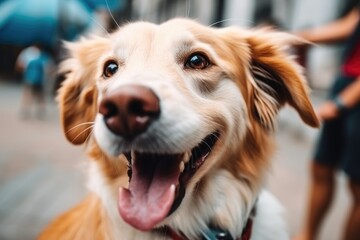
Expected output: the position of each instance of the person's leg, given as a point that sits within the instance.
(352, 229)
(26, 102)
(321, 191)
(351, 166)
(328, 153)
(39, 94)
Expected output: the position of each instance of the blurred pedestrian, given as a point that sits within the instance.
(339, 142)
(32, 62)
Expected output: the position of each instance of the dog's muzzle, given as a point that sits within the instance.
(157, 179)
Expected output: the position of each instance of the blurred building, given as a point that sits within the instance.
(289, 15)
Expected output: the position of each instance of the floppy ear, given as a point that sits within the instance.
(78, 93)
(278, 79)
(275, 77)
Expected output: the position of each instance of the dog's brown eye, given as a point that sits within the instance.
(110, 68)
(197, 61)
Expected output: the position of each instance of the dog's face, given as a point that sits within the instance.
(180, 101)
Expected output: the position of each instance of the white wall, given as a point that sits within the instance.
(323, 59)
(201, 10)
(239, 12)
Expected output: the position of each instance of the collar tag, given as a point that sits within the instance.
(216, 234)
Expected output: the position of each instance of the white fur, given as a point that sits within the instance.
(269, 221)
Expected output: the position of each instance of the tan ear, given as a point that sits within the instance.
(277, 78)
(77, 96)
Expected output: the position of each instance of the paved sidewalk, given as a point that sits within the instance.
(41, 174)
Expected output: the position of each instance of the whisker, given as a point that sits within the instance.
(207, 145)
(108, 8)
(88, 137)
(79, 125)
(230, 19)
(81, 133)
(101, 26)
(188, 6)
(215, 135)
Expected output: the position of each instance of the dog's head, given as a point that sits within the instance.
(180, 101)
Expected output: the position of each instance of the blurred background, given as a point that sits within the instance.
(41, 174)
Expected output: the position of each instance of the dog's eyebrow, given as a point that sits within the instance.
(184, 46)
(182, 49)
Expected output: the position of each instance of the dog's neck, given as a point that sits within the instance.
(217, 192)
(213, 233)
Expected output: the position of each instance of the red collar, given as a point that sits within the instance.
(246, 234)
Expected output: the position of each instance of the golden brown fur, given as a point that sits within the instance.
(85, 221)
(247, 57)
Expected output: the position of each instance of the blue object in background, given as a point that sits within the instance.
(26, 22)
(104, 4)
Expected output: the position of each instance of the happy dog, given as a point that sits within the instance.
(178, 122)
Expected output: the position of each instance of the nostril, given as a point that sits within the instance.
(108, 109)
(143, 108)
(112, 110)
(136, 107)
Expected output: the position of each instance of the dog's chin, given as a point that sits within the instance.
(157, 183)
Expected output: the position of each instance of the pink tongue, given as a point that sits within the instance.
(151, 190)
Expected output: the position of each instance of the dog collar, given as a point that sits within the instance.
(219, 234)
(212, 233)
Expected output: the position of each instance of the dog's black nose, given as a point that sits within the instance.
(129, 110)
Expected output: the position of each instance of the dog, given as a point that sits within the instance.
(178, 120)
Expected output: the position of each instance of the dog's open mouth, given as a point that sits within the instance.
(157, 183)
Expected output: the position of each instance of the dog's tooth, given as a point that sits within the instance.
(182, 166)
(186, 157)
